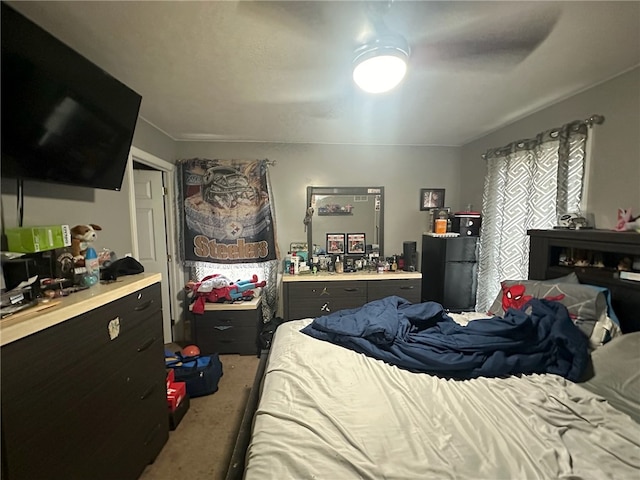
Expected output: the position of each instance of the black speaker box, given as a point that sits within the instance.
(19, 270)
(410, 256)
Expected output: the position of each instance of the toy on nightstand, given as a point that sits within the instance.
(244, 288)
(626, 221)
(215, 288)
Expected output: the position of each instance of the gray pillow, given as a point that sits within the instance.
(586, 305)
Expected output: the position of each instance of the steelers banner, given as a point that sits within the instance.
(226, 212)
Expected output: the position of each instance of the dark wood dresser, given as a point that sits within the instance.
(311, 296)
(553, 253)
(83, 394)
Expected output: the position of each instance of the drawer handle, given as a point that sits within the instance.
(352, 289)
(144, 306)
(147, 393)
(407, 287)
(146, 344)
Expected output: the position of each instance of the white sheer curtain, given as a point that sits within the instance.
(267, 271)
(528, 183)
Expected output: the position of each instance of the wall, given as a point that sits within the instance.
(152, 140)
(401, 170)
(50, 204)
(615, 177)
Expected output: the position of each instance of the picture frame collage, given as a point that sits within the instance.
(349, 243)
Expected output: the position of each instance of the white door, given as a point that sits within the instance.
(152, 235)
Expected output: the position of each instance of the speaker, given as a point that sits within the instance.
(410, 256)
(20, 269)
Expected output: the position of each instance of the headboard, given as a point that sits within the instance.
(599, 254)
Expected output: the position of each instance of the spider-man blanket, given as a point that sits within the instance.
(423, 338)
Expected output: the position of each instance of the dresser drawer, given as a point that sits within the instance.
(408, 289)
(226, 318)
(129, 426)
(227, 331)
(86, 393)
(317, 307)
(335, 289)
(34, 364)
(143, 429)
(78, 346)
(241, 340)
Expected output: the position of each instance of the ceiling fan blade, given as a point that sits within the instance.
(319, 18)
(301, 17)
(502, 41)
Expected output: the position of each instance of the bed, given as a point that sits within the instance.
(320, 410)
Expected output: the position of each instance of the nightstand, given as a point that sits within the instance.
(228, 327)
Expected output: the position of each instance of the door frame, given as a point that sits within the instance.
(176, 275)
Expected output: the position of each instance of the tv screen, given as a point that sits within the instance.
(64, 119)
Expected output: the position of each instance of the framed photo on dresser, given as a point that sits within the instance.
(335, 243)
(356, 243)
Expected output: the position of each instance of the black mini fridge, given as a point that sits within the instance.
(449, 271)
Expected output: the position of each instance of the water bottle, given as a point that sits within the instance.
(92, 265)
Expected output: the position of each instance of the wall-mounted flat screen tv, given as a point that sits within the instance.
(64, 119)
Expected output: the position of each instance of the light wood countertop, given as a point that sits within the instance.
(27, 322)
(341, 277)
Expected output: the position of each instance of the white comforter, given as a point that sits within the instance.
(329, 413)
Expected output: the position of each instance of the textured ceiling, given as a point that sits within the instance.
(281, 71)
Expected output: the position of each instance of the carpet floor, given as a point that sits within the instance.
(200, 447)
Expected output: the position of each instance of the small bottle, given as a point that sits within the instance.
(394, 264)
(441, 223)
(287, 263)
(92, 265)
(338, 266)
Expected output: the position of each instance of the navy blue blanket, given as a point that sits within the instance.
(421, 337)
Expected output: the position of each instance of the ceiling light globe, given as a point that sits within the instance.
(382, 65)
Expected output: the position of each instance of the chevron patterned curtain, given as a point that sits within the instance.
(528, 183)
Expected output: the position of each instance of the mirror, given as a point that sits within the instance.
(347, 211)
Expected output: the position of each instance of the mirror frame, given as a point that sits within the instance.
(311, 191)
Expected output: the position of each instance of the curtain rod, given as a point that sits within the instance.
(595, 119)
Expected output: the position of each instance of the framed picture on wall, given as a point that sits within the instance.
(431, 198)
(335, 243)
(356, 243)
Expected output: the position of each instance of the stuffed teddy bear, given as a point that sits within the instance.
(82, 236)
